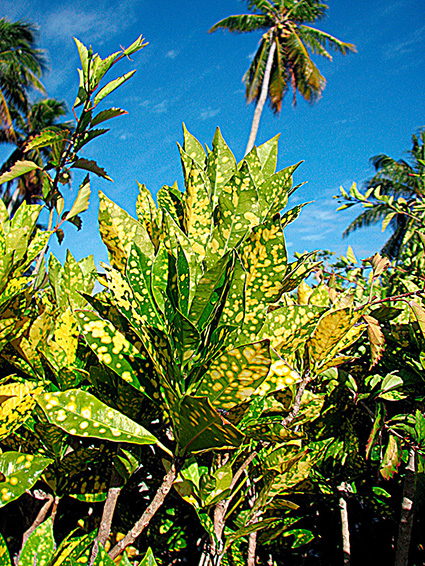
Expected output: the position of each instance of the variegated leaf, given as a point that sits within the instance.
(221, 165)
(198, 210)
(39, 547)
(81, 414)
(20, 472)
(199, 427)
(267, 152)
(16, 406)
(119, 230)
(274, 192)
(193, 148)
(233, 377)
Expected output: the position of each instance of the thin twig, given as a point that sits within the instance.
(41, 515)
(150, 511)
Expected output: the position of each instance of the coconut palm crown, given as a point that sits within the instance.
(283, 59)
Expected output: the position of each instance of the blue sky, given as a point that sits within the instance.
(374, 100)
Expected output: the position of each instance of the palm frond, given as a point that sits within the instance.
(262, 6)
(254, 75)
(306, 11)
(369, 217)
(326, 40)
(242, 23)
(278, 86)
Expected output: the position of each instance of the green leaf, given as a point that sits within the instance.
(267, 153)
(91, 166)
(199, 427)
(45, 138)
(84, 56)
(81, 414)
(107, 115)
(149, 559)
(74, 550)
(4, 553)
(102, 557)
(111, 86)
(392, 458)
(378, 423)
(40, 546)
(20, 472)
(135, 46)
(18, 169)
(221, 165)
(233, 377)
(16, 406)
(193, 148)
(420, 315)
(81, 203)
(275, 191)
(118, 231)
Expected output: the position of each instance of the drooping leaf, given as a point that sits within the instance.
(233, 377)
(376, 338)
(40, 546)
(199, 427)
(91, 166)
(81, 414)
(81, 203)
(392, 458)
(20, 472)
(18, 169)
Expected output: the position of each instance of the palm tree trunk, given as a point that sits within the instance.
(262, 99)
(407, 513)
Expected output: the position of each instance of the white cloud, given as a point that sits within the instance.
(172, 54)
(402, 48)
(209, 113)
(161, 107)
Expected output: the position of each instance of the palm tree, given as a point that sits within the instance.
(41, 114)
(402, 178)
(282, 60)
(21, 65)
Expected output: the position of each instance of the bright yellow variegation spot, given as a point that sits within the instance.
(233, 377)
(281, 375)
(66, 335)
(16, 405)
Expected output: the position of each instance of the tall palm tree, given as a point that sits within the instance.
(42, 114)
(283, 61)
(402, 178)
(21, 66)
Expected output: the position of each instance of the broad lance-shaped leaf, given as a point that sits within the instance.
(81, 203)
(238, 212)
(91, 166)
(139, 270)
(81, 414)
(20, 472)
(45, 138)
(392, 458)
(193, 148)
(107, 115)
(254, 166)
(275, 191)
(147, 214)
(149, 559)
(4, 553)
(118, 231)
(171, 200)
(111, 86)
(16, 406)
(221, 165)
(39, 547)
(289, 327)
(376, 339)
(199, 427)
(74, 550)
(198, 210)
(264, 258)
(330, 330)
(233, 377)
(18, 169)
(110, 346)
(267, 153)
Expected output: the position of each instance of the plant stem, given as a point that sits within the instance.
(297, 401)
(262, 99)
(107, 515)
(41, 515)
(346, 548)
(407, 513)
(150, 511)
(252, 547)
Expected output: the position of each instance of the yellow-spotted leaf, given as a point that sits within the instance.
(119, 230)
(110, 345)
(66, 336)
(200, 427)
(20, 472)
(198, 210)
(81, 414)
(267, 153)
(14, 287)
(238, 212)
(281, 376)
(233, 377)
(263, 256)
(303, 293)
(320, 296)
(274, 192)
(39, 547)
(331, 328)
(221, 165)
(16, 406)
(74, 550)
(147, 213)
(193, 148)
(138, 273)
(170, 199)
(254, 165)
(4, 553)
(292, 214)
(289, 327)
